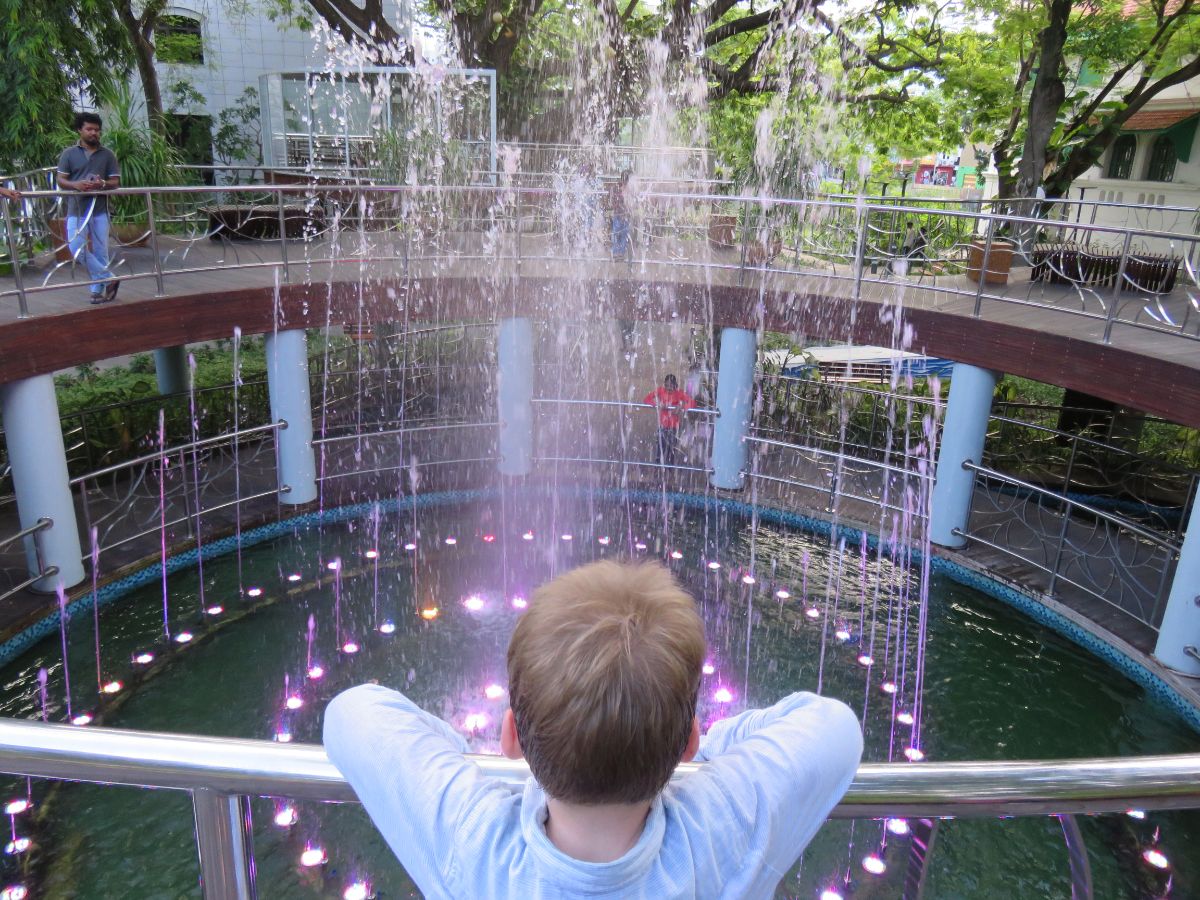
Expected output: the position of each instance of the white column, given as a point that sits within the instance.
(287, 383)
(963, 434)
(514, 390)
(1181, 620)
(735, 399)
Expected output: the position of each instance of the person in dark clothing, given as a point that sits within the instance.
(88, 167)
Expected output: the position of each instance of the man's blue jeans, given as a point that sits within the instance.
(95, 226)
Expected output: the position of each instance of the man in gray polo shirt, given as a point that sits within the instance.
(87, 167)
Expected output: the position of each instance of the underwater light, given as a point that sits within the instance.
(295, 576)
(897, 826)
(215, 610)
(782, 594)
(913, 754)
(82, 719)
(14, 892)
(748, 579)
(723, 695)
(714, 565)
(183, 637)
(527, 536)
(315, 672)
(604, 541)
(16, 807)
(568, 537)
(360, 890)
(282, 737)
(350, 647)
(429, 613)
(387, 627)
(493, 692)
(372, 554)
(813, 613)
(294, 702)
(410, 546)
(254, 592)
(474, 603)
(1138, 814)
(313, 856)
(476, 721)
(286, 817)
(333, 565)
(888, 687)
(708, 668)
(904, 718)
(640, 545)
(842, 635)
(1156, 858)
(112, 687)
(451, 541)
(18, 845)
(873, 864)
(675, 554)
(144, 659)
(831, 894)
(489, 538)
(866, 660)
(519, 602)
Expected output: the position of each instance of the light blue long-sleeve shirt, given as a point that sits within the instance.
(731, 830)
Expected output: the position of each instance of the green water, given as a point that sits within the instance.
(997, 687)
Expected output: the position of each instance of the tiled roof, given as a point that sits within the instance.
(1157, 119)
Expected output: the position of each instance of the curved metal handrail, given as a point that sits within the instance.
(303, 772)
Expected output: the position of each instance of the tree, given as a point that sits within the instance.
(140, 20)
(49, 51)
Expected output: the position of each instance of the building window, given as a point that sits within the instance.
(1120, 163)
(1162, 160)
(178, 39)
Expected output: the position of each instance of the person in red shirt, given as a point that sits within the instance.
(670, 403)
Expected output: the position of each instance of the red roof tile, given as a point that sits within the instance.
(1157, 119)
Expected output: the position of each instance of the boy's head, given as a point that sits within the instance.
(603, 672)
(670, 383)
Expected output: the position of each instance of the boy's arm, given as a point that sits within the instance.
(781, 770)
(407, 768)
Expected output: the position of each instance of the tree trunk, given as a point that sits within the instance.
(139, 31)
(1045, 100)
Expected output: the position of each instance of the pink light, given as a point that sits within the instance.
(359, 890)
(313, 856)
(640, 545)
(782, 594)
(1156, 858)
(913, 754)
(888, 687)
(16, 807)
(474, 603)
(282, 737)
(519, 602)
(294, 702)
(708, 668)
(350, 647)
(493, 692)
(813, 613)
(17, 845)
(568, 537)
(215, 610)
(604, 541)
(286, 817)
(897, 826)
(387, 627)
(451, 541)
(842, 634)
(333, 565)
(144, 659)
(183, 637)
(747, 579)
(866, 660)
(294, 577)
(410, 546)
(476, 721)
(723, 695)
(254, 592)
(316, 673)
(372, 554)
(675, 554)
(112, 687)
(527, 536)
(904, 718)
(1138, 814)
(873, 865)
(14, 892)
(82, 719)
(714, 565)
(429, 613)
(831, 894)
(489, 538)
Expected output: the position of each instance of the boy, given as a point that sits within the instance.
(671, 403)
(604, 670)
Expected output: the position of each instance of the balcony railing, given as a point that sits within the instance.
(222, 773)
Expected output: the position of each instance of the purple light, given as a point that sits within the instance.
(873, 864)
(144, 659)
(675, 554)
(714, 565)
(747, 579)
(215, 610)
(782, 594)
(183, 637)
(282, 737)
(451, 541)
(842, 635)
(888, 687)
(604, 541)
(474, 603)
(723, 695)
(568, 537)
(640, 545)
(16, 807)
(708, 668)
(82, 719)
(527, 536)
(865, 660)
(519, 602)
(489, 538)
(904, 718)
(286, 817)
(897, 826)
(429, 613)
(410, 546)
(387, 627)
(493, 692)
(316, 673)
(254, 592)
(294, 701)
(813, 613)
(14, 892)
(1156, 858)
(476, 721)
(831, 894)
(1138, 814)
(372, 554)
(112, 687)
(333, 565)
(17, 845)
(294, 577)
(313, 856)
(350, 647)
(913, 754)
(359, 890)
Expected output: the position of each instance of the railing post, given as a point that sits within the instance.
(223, 841)
(22, 302)
(1118, 286)
(983, 267)
(160, 289)
(283, 248)
(860, 247)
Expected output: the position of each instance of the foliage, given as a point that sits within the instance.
(177, 39)
(49, 50)
(238, 137)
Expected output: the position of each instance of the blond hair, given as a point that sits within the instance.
(603, 671)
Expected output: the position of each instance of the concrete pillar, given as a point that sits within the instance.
(39, 467)
(287, 382)
(735, 400)
(963, 433)
(171, 370)
(1181, 621)
(514, 341)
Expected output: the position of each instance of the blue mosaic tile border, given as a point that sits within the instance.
(1127, 665)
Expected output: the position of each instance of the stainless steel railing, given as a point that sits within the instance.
(220, 773)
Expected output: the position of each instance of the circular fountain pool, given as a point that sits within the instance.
(424, 601)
